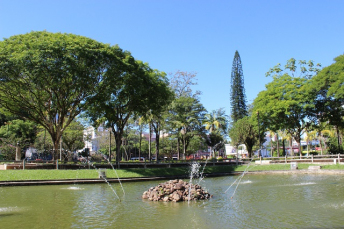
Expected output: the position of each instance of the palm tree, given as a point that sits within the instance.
(324, 135)
(284, 136)
(148, 118)
(141, 125)
(310, 136)
(215, 121)
(272, 136)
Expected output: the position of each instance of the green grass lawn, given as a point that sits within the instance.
(12, 175)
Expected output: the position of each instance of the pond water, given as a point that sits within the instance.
(260, 201)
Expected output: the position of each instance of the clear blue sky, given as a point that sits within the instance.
(195, 35)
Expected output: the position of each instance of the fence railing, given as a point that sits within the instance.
(329, 158)
(57, 164)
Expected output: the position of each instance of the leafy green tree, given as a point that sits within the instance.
(73, 136)
(237, 94)
(131, 89)
(139, 122)
(216, 120)
(216, 123)
(331, 79)
(158, 123)
(185, 112)
(72, 139)
(286, 104)
(19, 134)
(47, 77)
(327, 87)
(185, 120)
(213, 140)
(246, 131)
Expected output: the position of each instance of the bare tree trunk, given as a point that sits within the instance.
(140, 143)
(178, 149)
(18, 152)
(149, 142)
(278, 149)
(157, 142)
(184, 149)
(118, 149)
(110, 146)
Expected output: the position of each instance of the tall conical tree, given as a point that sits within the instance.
(237, 94)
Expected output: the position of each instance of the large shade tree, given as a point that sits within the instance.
(46, 77)
(328, 88)
(185, 120)
(286, 104)
(131, 89)
(246, 131)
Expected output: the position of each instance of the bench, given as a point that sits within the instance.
(263, 162)
(314, 167)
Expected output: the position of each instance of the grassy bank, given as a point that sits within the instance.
(12, 175)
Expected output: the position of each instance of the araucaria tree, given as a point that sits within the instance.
(237, 94)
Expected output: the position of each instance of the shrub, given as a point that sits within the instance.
(96, 157)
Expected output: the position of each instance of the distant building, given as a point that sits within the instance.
(231, 151)
(93, 138)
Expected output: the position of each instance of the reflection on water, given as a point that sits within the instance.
(261, 201)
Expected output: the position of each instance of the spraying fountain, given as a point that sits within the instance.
(179, 190)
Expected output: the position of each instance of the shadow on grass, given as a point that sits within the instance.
(175, 171)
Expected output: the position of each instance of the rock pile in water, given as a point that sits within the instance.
(175, 190)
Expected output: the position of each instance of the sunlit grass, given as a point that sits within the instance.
(14, 175)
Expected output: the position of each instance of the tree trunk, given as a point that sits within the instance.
(283, 143)
(338, 139)
(184, 149)
(18, 152)
(157, 139)
(157, 142)
(298, 140)
(55, 150)
(110, 146)
(118, 149)
(278, 149)
(178, 148)
(307, 142)
(149, 142)
(291, 147)
(140, 143)
(321, 148)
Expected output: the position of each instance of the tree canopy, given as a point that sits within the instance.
(47, 77)
(286, 104)
(132, 89)
(246, 131)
